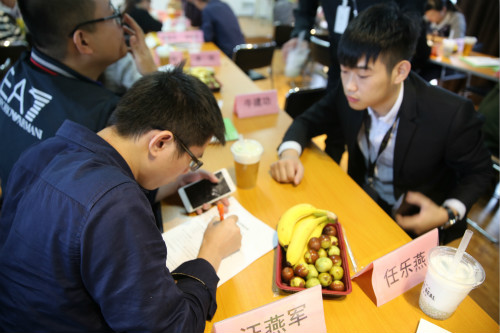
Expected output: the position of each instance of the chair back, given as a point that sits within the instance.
(282, 34)
(251, 56)
(298, 100)
(320, 51)
(9, 53)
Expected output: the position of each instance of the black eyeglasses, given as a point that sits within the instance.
(195, 163)
(116, 16)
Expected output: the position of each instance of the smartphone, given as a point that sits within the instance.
(407, 209)
(196, 194)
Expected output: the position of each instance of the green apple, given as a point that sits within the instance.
(337, 272)
(323, 264)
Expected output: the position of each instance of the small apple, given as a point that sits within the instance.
(311, 256)
(323, 264)
(287, 274)
(301, 270)
(311, 283)
(337, 285)
(330, 230)
(325, 241)
(335, 240)
(337, 272)
(322, 253)
(298, 282)
(336, 260)
(325, 279)
(313, 272)
(314, 244)
(333, 250)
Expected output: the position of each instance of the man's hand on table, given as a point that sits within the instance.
(430, 216)
(288, 169)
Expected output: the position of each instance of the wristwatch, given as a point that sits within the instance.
(452, 218)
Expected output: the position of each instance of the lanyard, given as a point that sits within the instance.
(385, 141)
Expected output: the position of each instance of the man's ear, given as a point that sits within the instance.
(401, 71)
(82, 42)
(160, 141)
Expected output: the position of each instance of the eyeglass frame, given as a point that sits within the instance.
(116, 15)
(195, 163)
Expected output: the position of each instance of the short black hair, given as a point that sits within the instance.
(380, 30)
(172, 101)
(439, 5)
(50, 21)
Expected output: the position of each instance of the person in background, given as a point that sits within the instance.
(444, 19)
(79, 247)
(74, 41)
(192, 13)
(411, 145)
(139, 11)
(305, 19)
(10, 19)
(220, 25)
(283, 12)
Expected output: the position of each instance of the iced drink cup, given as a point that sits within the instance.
(246, 154)
(444, 286)
(469, 43)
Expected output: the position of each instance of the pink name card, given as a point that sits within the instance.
(297, 313)
(175, 57)
(189, 36)
(205, 58)
(401, 269)
(256, 104)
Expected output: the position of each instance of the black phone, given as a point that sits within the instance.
(407, 209)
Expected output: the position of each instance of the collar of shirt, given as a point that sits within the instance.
(54, 67)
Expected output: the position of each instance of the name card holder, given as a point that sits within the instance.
(175, 37)
(205, 58)
(256, 104)
(401, 269)
(300, 312)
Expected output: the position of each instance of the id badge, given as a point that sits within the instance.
(342, 18)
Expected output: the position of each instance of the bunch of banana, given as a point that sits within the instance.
(296, 226)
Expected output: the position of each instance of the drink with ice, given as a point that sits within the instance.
(445, 285)
(246, 154)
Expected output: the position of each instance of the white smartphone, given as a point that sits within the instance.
(196, 194)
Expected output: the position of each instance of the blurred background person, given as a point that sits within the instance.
(444, 19)
(139, 10)
(220, 25)
(283, 12)
(11, 24)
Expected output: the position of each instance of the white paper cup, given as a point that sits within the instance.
(442, 292)
(246, 154)
(448, 47)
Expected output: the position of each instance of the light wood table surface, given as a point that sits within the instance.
(371, 233)
(455, 62)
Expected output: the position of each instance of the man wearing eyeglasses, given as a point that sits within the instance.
(79, 249)
(74, 43)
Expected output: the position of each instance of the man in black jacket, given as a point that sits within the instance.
(403, 135)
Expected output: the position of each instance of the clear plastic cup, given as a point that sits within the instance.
(445, 287)
(469, 42)
(246, 154)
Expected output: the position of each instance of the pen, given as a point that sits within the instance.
(220, 207)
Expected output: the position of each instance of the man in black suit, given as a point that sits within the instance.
(403, 136)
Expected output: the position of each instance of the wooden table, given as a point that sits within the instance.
(371, 233)
(454, 62)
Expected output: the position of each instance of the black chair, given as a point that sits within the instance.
(253, 56)
(298, 100)
(9, 53)
(281, 34)
(320, 51)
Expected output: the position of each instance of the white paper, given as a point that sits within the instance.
(479, 61)
(425, 326)
(184, 241)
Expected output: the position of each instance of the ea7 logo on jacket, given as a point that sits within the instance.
(12, 103)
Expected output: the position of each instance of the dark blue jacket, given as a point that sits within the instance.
(80, 250)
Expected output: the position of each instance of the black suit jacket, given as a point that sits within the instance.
(439, 148)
